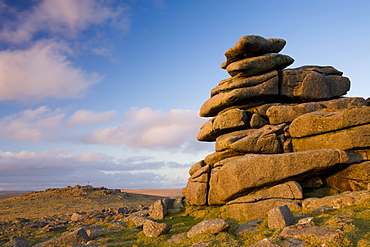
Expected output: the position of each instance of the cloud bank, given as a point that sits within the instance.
(60, 168)
(138, 129)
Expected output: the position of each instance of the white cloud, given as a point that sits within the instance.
(66, 18)
(41, 72)
(147, 128)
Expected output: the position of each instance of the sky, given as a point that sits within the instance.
(107, 92)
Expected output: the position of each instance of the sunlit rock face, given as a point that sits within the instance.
(279, 132)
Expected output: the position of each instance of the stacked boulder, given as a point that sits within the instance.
(279, 132)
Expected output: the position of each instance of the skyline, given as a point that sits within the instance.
(107, 93)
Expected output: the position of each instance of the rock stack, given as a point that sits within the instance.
(279, 132)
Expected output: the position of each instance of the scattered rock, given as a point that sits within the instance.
(307, 230)
(17, 242)
(158, 210)
(250, 226)
(155, 229)
(76, 237)
(77, 216)
(280, 217)
(337, 201)
(213, 226)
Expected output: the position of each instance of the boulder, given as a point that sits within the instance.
(228, 121)
(337, 201)
(158, 210)
(252, 171)
(259, 209)
(77, 237)
(259, 65)
(345, 139)
(138, 220)
(240, 82)
(17, 242)
(154, 229)
(79, 216)
(287, 113)
(196, 167)
(288, 190)
(250, 226)
(257, 121)
(196, 193)
(352, 178)
(201, 175)
(251, 46)
(218, 156)
(312, 83)
(213, 226)
(280, 217)
(321, 233)
(221, 101)
(328, 121)
(264, 140)
(264, 243)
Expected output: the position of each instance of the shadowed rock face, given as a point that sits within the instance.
(274, 126)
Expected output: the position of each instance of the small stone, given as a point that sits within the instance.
(280, 217)
(250, 226)
(213, 226)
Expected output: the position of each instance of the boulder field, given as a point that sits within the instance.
(280, 134)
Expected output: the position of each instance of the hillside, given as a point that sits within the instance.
(68, 200)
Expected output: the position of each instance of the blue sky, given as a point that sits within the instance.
(108, 92)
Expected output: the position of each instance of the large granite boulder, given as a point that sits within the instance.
(253, 171)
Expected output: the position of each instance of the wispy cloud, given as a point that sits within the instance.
(66, 18)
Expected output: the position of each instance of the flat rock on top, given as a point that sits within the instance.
(250, 46)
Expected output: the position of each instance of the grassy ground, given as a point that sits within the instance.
(353, 222)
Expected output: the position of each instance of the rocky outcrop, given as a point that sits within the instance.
(273, 127)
